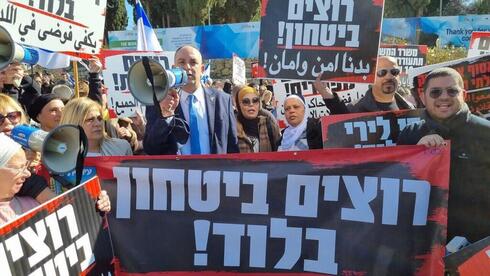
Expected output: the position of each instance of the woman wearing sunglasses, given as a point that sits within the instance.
(302, 133)
(257, 131)
(88, 114)
(11, 115)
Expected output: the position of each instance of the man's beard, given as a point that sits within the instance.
(393, 86)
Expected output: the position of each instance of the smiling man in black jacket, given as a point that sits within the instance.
(447, 118)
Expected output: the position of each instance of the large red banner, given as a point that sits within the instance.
(373, 211)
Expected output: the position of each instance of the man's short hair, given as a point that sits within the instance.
(183, 46)
(389, 58)
(444, 72)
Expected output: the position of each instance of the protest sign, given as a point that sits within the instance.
(348, 92)
(366, 130)
(63, 26)
(301, 39)
(408, 57)
(116, 65)
(472, 260)
(65, 236)
(369, 211)
(479, 44)
(239, 71)
(476, 78)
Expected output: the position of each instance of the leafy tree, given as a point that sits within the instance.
(405, 8)
(480, 7)
(235, 11)
(116, 17)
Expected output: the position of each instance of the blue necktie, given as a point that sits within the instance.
(195, 145)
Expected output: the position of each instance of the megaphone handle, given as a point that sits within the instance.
(65, 183)
(80, 157)
(149, 75)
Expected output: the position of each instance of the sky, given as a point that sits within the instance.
(129, 9)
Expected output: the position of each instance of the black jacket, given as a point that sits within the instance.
(365, 104)
(469, 189)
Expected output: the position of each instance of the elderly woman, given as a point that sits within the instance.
(88, 114)
(257, 130)
(302, 133)
(46, 110)
(13, 173)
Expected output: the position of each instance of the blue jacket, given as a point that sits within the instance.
(161, 137)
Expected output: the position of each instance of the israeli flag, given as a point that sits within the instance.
(147, 39)
(53, 60)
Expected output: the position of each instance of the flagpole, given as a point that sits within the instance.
(75, 75)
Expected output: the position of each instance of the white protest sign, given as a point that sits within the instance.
(348, 92)
(479, 44)
(116, 66)
(62, 25)
(238, 71)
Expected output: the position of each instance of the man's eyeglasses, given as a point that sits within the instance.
(394, 72)
(247, 101)
(435, 93)
(12, 116)
(91, 120)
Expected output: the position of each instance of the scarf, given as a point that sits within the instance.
(8, 149)
(292, 134)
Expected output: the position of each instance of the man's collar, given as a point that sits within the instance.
(199, 93)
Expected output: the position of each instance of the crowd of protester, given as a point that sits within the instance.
(200, 118)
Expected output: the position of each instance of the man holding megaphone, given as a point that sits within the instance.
(193, 119)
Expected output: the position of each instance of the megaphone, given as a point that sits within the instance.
(13, 52)
(163, 80)
(63, 91)
(60, 148)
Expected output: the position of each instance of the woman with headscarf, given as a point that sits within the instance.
(257, 130)
(302, 133)
(14, 170)
(88, 114)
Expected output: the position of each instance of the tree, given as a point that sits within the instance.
(405, 8)
(235, 11)
(116, 17)
(480, 7)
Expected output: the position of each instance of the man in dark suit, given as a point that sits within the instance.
(193, 120)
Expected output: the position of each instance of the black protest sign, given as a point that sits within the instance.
(408, 57)
(366, 130)
(327, 211)
(65, 236)
(301, 39)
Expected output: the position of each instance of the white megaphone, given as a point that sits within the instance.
(163, 80)
(63, 91)
(12, 52)
(60, 148)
